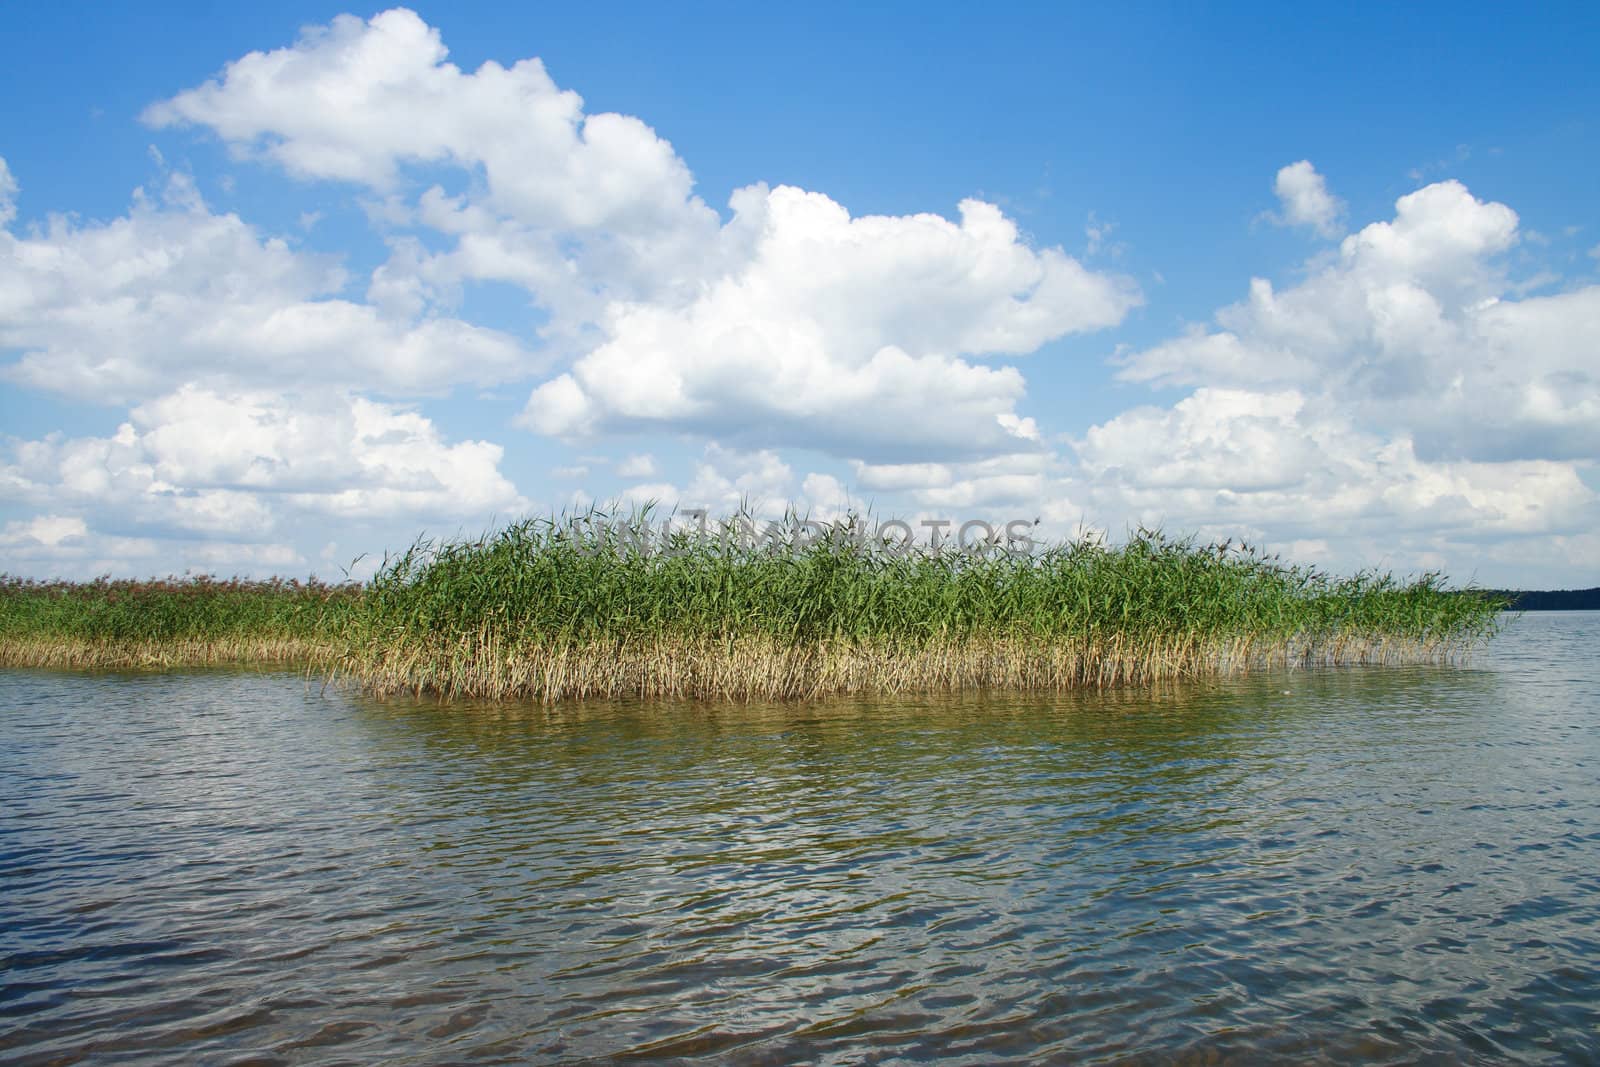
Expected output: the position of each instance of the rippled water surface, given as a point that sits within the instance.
(1382, 865)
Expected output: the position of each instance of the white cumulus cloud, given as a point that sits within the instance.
(172, 293)
(1305, 200)
(840, 333)
(248, 466)
(1413, 329)
(1272, 458)
(575, 205)
(790, 322)
(642, 465)
(356, 100)
(8, 194)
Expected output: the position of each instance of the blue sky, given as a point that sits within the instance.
(1325, 281)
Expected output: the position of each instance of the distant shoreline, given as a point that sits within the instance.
(1550, 599)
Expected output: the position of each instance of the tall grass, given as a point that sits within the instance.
(542, 610)
(545, 609)
(173, 622)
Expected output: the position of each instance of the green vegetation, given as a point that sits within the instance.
(541, 610)
(176, 622)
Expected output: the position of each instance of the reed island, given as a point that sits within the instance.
(550, 609)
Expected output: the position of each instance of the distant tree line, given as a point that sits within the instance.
(1551, 599)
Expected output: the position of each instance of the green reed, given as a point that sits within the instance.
(590, 605)
(174, 620)
(548, 601)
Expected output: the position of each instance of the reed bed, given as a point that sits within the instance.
(548, 610)
(176, 622)
(543, 610)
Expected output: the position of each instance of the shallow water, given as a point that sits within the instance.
(1380, 865)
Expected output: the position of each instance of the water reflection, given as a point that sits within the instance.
(1350, 864)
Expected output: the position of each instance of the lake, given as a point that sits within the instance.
(1354, 864)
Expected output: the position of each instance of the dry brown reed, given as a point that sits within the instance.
(757, 667)
(91, 654)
